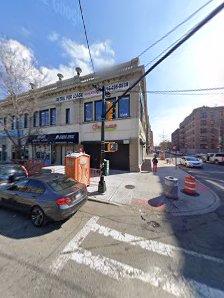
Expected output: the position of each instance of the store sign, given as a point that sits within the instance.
(60, 138)
(91, 93)
(109, 127)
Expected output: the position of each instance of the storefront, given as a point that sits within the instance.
(119, 160)
(52, 148)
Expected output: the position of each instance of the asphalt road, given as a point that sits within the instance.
(110, 251)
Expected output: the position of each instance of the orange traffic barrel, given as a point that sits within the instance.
(190, 185)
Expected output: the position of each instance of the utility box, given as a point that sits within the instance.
(106, 164)
(77, 166)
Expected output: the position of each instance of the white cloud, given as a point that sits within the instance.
(53, 36)
(102, 54)
(78, 55)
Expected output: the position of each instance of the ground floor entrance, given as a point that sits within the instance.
(119, 160)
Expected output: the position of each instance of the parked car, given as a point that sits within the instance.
(11, 172)
(45, 196)
(209, 156)
(191, 162)
(217, 158)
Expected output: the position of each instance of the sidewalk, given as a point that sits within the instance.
(146, 189)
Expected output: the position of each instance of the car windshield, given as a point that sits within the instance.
(61, 184)
(191, 158)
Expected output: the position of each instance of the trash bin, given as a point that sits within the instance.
(106, 167)
(171, 187)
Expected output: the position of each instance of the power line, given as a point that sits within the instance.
(175, 28)
(84, 26)
(181, 90)
(173, 49)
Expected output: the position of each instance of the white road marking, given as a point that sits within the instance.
(73, 245)
(215, 183)
(178, 286)
(151, 245)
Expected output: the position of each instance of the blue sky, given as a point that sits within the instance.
(118, 31)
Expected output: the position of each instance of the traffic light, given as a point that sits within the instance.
(111, 112)
(112, 147)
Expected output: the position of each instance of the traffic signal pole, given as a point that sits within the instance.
(102, 183)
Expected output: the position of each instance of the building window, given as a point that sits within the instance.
(44, 118)
(67, 116)
(98, 110)
(52, 116)
(5, 121)
(88, 111)
(20, 121)
(26, 120)
(203, 130)
(203, 122)
(203, 115)
(36, 119)
(124, 107)
(115, 108)
(141, 106)
(13, 124)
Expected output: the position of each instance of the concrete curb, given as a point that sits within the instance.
(104, 202)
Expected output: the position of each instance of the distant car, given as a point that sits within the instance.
(45, 196)
(217, 158)
(209, 156)
(11, 172)
(191, 162)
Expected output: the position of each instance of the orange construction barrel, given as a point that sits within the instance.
(190, 185)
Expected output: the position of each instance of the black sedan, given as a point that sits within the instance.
(45, 196)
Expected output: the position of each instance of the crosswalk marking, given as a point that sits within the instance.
(171, 283)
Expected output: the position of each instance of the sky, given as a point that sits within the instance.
(51, 31)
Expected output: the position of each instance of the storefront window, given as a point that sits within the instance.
(98, 110)
(53, 116)
(44, 118)
(124, 107)
(88, 111)
(43, 152)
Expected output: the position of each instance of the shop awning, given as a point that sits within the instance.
(55, 138)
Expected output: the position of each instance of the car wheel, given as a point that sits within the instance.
(37, 217)
(216, 162)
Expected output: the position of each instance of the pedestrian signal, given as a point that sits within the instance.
(111, 113)
(112, 147)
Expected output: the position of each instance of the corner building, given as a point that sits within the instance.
(68, 117)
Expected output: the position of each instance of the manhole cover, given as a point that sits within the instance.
(129, 186)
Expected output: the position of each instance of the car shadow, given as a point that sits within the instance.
(16, 225)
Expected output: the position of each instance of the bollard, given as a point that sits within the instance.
(171, 187)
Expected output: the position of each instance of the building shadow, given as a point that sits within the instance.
(198, 261)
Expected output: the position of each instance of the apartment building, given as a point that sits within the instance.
(175, 139)
(202, 131)
(67, 117)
